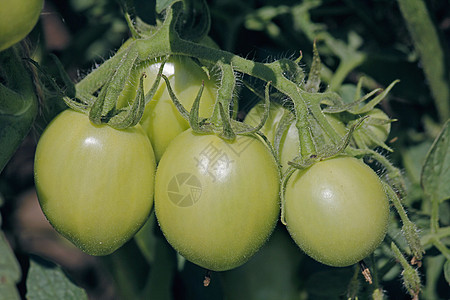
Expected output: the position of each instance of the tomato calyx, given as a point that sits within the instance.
(220, 122)
(328, 126)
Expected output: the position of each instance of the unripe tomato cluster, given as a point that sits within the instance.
(216, 201)
(336, 210)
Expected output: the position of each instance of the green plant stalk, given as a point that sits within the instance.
(434, 221)
(159, 45)
(411, 278)
(409, 229)
(436, 233)
(344, 68)
(428, 239)
(426, 41)
(441, 247)
(375, 275)
(394, 174)
(98, 77)
(225, 92)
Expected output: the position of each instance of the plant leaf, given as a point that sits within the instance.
(47, 281)
(163, 4)
(10, 272)
(436, 170)
(447, 271)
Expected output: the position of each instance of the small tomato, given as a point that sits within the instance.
(336, 210)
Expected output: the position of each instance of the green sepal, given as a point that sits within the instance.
(313, 83)
(151, 93)
(79, 106)
(354, 107)
(246, 129)
(360, 137)
(284, 180)
(227, 130)
(194, 121)
(341, 107)
(104, 108)
(95, 112)
(69, 86)
(347, 138)
(372, 103)
(224, 93)
(283, 126)
(184, 113)
(118, 81)
(130, 116)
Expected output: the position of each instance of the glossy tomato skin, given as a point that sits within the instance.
(161, 119)
(95, 184)
(17, 19)
(217, 202)
(336, 211)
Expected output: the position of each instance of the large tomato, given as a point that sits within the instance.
(217, 202)
(336, 210)
(17, 19)
(161, 119)
(95, 184)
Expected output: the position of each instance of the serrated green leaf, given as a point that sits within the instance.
(447, 271)
(47, 281)
(436, 170)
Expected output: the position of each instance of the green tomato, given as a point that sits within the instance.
(17, 19)
(217, 202)
(95, 184)
(336, 210)
(161, 119)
